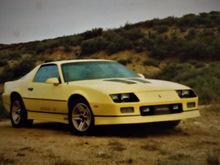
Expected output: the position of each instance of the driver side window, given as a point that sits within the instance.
(45, 72)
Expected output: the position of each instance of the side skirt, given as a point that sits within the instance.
(55, 117)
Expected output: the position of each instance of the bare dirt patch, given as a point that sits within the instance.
(194, 141)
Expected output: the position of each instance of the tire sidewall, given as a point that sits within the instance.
(23, 113)
(73, 130)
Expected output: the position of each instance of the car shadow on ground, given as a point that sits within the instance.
(134, 130)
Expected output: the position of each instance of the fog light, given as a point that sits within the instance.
(175, 107)
(127, 110)
(191, 105)
(145, 109)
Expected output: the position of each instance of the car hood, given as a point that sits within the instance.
(125, 85)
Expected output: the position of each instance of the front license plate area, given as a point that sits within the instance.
(160, 109)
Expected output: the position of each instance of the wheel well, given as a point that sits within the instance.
(76, 97)
(15, 95)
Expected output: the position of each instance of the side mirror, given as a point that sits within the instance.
(53, 81)
(141, 75)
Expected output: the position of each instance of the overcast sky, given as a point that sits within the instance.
(29, 20)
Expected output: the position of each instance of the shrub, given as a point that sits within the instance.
(93, 45)
(92, 33)
(152, 62)
(132, 34)
(116, 42)
(204, 79)
(111, 35)
(159, 47)
(188, 20)
(169, 21)
(119, 45)
(161, 28)
(3, 62)
(24, 67)
(124, 61)
(46, 44)
(71, 40)
(127, 26)
(191, 34)
(14, 56)
(19, 70)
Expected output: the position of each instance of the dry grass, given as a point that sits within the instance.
(213, 157)
(4, 160)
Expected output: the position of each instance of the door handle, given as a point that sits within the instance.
(30, 89)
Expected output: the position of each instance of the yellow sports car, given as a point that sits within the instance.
(86, 93)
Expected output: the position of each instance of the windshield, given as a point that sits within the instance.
(94, 70)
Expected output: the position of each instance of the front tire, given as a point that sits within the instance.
(18, 114)
(81, 118)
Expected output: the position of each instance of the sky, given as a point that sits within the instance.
(30, 20)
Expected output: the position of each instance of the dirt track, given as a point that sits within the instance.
(194, 141)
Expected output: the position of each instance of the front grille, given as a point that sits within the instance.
(160, 109)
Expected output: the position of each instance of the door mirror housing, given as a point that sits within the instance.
(53, 80)
(141, 75)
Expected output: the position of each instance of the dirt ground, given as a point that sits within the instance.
(194, 141)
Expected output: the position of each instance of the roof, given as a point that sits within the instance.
(77, 60)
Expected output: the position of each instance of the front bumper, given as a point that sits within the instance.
(135, 119)
(107, 114)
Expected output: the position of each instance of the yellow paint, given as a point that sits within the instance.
(47, 97)
(145, 119)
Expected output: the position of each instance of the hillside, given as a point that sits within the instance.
(185, 50)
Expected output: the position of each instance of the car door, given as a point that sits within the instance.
(42, 96)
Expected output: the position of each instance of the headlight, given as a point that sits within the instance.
(186, 93)
(124, 97)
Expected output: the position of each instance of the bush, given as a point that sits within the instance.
(124, 61)
(14, 56)
(92, 33)
(111, 35)
(204, 79)
(191, 34)
(169, 21)
(159, 47)
(188, 20)
(19, 70)
(71, 40)
(161, 28)
(119, 45)
(3, 62)
(116, 42)
(127, 26)
(152, 62)
(132, 34)
(45, 45)
(93, 45)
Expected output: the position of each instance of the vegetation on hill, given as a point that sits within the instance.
(203, 77)
(185, 50)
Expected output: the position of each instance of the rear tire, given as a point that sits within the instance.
(81, 118)
(18, 114)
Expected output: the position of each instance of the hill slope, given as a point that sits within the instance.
(185, 50)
